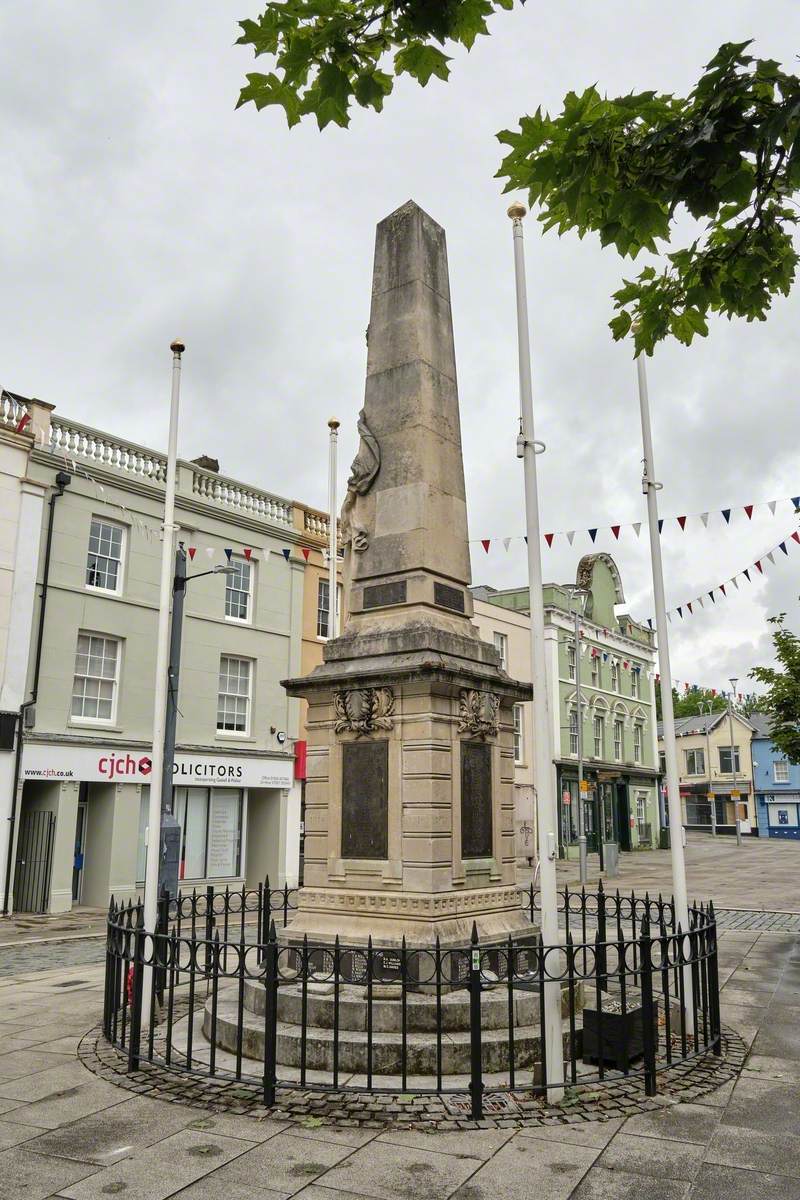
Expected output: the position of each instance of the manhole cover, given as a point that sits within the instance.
(500, 1105)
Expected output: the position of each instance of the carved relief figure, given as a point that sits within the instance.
(363, 710)
(478, 713)
(365, 466)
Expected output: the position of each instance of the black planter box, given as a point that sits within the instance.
(622, 1036)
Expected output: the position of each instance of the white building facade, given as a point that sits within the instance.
(75, 794)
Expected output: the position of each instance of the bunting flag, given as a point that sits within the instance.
(192, 551)
(726, 512)
(711, 594)
(758, 567)
(748, 508)
(506, 544)
(229, 553)
(286, 552)
(782, 546)
(548, 537)
(248, 553)
(592, 534)
(681, 521)
(615, 530)
(771, 504)
(22, 422)
(637, 527)
(570, 535)
(486, 543)
(305, 551)
(704, 519)
(210, 551)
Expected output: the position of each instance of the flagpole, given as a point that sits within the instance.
(651, 489)
(544, 773)
(333, 606)
(162, 667)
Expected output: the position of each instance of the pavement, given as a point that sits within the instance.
(67, 1133)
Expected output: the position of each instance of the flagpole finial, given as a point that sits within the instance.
(177, 347)
(333, 424)
(517, 210)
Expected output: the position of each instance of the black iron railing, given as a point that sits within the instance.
(217, 991)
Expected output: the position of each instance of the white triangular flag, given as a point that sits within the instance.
(771, 557)
(735, 584)
(570, 535)
(669, 617)
(210, 551)
(700, 601)
(771, 506)
(637, 527)
(506, 544)
(704, 519)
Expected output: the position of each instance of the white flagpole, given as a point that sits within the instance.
(333, 607)
(162, 665)
(651, 489)
(544, 772)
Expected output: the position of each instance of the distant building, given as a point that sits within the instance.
(616, 659)
(776, 782)
(75, 789)
(707, 772)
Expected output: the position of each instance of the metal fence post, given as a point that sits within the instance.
(270, 1016)
(135, 1028)
(601, 962)
(713, 981)
(476, 1068)
(648, 1012)
(209, 934)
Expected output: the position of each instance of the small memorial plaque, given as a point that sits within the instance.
(387, 966)
(448, 597)
(380, 595)
(365, 799)
(476, 800)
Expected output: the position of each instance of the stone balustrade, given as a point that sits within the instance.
(12, 410)
(83, 442)
(249, 500)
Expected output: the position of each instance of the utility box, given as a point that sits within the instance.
(611, 859)
(170, 855)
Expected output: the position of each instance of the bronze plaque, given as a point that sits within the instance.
(476, 800)
(448, 597)
(380, 595)
(365, 799)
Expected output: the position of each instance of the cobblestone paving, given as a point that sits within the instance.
(44, 956)
(773, 922)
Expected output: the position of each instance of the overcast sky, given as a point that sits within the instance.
(138, 206)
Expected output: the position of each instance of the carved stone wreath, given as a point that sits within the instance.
(363, 710)
(478, 713)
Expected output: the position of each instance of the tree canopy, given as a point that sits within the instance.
(629, 169)
(687, 704)
(781, 701)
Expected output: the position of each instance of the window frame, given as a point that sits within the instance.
(695, 751)
(597, 679)
(635, 683)
(236, 733)
(105, 722)
(123, 531)
(501, 646)
(238, 561)
(638, 741)
(783, 763)
(735, 767)
(572, 662)
(599, 739)
(614, 686)
(619, 742)
(573, 731)
(324, 581)
(519, 735)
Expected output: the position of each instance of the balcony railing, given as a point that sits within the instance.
(245, 499)
(83, 442)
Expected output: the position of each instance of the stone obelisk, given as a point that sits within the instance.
(409, 828)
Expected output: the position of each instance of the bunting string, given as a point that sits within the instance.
(719, 516)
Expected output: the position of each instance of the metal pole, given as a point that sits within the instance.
(171, 723)
(583, 865)
(162, 663)
(651, 488)
(710, 796)
(734, 789)
(333, 607)
(544, 781)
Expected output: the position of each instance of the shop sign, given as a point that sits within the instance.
(118, 764)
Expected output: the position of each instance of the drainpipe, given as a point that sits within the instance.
(63, 481)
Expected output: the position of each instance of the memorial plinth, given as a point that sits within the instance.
(409, 828)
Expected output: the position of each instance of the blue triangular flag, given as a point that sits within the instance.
(592, 534)
(286, 552)
(228, 553)
(660, 524)
(783, 547)
(796, 501)
(746, 573)
(680, 612)
(712, 597)
(650, 622)
(726, 512)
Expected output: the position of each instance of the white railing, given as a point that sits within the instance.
(80, 441)
(317, 523)
(11, 410)
(245, 499)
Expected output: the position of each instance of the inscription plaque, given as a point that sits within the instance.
(448, 597)
(476, 800)
(365, 799)
(380, 595)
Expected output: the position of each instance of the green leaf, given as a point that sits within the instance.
(264, 90)
(422, 62)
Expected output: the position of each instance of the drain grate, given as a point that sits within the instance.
(499, 1105)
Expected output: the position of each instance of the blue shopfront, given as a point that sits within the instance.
(776, 784)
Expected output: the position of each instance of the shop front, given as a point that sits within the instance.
(617, 808)
(85, 811)
(783, 814)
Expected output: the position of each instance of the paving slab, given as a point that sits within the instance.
(115, 1133)
(587, 1133)
(14, 1135)
(678, 1122)
(162, 1169)
(473, 1143)
(653, 1156)
(731, 1183)
(770, 1067)
(764, 1104)
(209, 1189)
(19, 1063)
(28, 1176)
(387, 1171)
(69, 1104)
(527, 1167)
(287, 1163)
(754, 1150)
(604, 1184)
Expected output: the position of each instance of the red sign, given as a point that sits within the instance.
(566, 798)
(300, 759)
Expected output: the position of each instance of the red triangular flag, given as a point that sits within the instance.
(796, 536)
(758, 566)
(486, 543)
(305, 551)
(23, 421)
(748, 508)
(689, 605)
(247, 552)
(682, 522)
(548, 537)
(722, 589)
(192, 552)
(615, 530)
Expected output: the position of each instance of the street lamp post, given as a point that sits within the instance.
(333, 606)
(544, 775)
(710, 792)
(734, 790)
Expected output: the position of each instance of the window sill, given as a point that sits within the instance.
(117, 594)
(222, 736)
(88, 723)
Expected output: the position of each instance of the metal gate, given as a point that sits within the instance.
(34, 861)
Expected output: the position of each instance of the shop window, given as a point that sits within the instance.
(104, 559)
(233, 701)
(781, 771)
(695, 762)
(211, 831)
(519, 735)
(725, 760)
(94, 688)
(501, 646)
(238, 588)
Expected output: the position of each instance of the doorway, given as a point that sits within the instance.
(34, 860)
(623, 817)
(80, 846)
